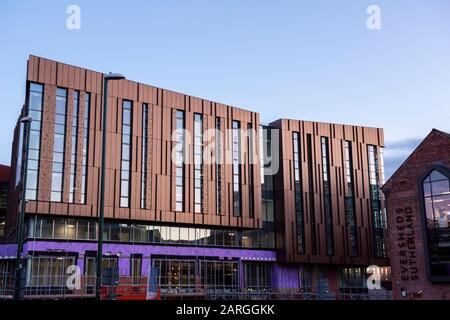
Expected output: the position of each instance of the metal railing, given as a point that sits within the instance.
(134, 288)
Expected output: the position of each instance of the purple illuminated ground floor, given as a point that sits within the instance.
(182, 270)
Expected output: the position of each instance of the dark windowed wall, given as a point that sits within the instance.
(322, 281)
(376, 197)
(176, 275)
(327, 196)
(300, 226)
(198, 163)
(218, 164)
(144, 160)
(352, 280)
(179, 163)
(436, 192)
(219, 276)
(35, 103)
(305, 276)
(258, 276)
(349, 200)
(237, 204)
(126, 154)
(49, 272)
(73, 153)
(87, 108)
(59, 145)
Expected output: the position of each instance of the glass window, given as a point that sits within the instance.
(198, 163)
(349, 201)
(258, 276)
(298, 198)
(375, 196)
(437, 210)
(327, 196)
(305, 279)
(144, 160)
(179, 162)
(237, 202)
(35, 103)
(136, 269)
(126, 153)
(312, 212)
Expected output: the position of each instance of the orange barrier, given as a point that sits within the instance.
(126, 292)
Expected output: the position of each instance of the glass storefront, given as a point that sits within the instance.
(191, 275)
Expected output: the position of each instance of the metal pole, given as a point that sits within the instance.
(18, 291)
(102, 191)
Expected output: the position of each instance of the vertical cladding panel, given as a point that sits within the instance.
(41, 70)
(189, 168)
(47, 139)
(33, 68)
(71, 77)
(380, 134)
(68, 147)
(79, 148)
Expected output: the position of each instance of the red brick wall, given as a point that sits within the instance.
(405, 222)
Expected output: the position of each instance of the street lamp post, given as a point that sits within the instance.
(106, 78)
(19, 293)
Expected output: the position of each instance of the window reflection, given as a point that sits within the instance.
(436, 188)
(59, 228)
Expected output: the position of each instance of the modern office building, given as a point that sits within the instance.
(293, 206)
(418, 210)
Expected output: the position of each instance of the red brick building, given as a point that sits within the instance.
(418, 214)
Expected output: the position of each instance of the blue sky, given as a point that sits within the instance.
(312, 60)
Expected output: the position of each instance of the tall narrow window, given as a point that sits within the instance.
(267, 233)
(327, 196)
(436, 192)
(375, 196)
(237, 203)
(251, 191)
(59, 144)
(218, 138)
(179, 162)
(35, 101)
(198, 163)
(300, 226)
(144, 162)
(87, 104)
(73, 154)
(349, 200)
(127, 109)
(312, 211)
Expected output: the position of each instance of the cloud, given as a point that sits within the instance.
(396, 152)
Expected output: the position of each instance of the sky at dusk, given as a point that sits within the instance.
(314, 60)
